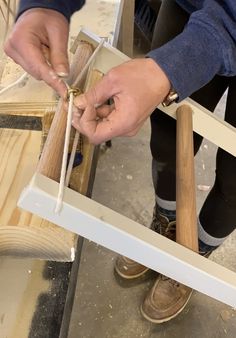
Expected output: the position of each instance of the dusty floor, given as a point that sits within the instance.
(106, 306)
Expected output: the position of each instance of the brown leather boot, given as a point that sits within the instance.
(165, 300)
(129, 269)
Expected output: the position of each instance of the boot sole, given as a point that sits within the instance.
(130, 276)
(163, 320)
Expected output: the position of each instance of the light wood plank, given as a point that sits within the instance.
(21, 233)
(37, 109)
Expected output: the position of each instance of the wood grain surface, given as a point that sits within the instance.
(51, 158)
(186, 216)
(21, 233)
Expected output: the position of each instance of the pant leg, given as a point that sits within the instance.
(218, 214)
(170, 22)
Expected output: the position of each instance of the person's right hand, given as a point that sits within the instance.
(38, 42)
(137, 87)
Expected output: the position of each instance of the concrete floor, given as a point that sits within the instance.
(106, 306)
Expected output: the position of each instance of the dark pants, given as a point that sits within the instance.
(218, 214)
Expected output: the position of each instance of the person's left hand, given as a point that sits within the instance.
(38, 42)
(136, 87)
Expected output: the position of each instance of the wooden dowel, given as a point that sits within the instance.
(186, 217)
(51, 158)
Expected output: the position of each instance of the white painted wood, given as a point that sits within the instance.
(208, 125)
(126, 36)
(108, 56)
(119, 18)
(123, 235)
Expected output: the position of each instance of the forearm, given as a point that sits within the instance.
(206, 47)
(66, 7)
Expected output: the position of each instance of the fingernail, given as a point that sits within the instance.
(62, 74)
(61, 71)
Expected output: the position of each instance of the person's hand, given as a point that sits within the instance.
(136, 87)
(38, 42)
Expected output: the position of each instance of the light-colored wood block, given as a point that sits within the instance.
(37, 109)
(21, 233)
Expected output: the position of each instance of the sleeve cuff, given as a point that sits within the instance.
(61, 6)
(190, 60)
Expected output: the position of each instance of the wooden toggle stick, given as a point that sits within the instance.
(186, 217)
